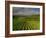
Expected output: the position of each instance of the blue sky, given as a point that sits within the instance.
(26, 10)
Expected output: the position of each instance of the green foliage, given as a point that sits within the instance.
(26, 22)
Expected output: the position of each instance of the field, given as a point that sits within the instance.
(26, 22)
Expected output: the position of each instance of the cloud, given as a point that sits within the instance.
(25, 11)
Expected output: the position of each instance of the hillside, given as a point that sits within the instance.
(26, 22)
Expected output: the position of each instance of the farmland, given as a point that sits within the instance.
(26, 22)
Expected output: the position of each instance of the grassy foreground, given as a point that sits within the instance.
(26, 22)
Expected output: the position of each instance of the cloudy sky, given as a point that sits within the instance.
(25, 11)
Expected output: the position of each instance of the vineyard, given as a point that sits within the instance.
(26, 22)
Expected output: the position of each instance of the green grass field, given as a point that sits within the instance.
(26, 22)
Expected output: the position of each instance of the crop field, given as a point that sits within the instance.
(26, 22)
